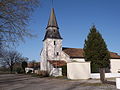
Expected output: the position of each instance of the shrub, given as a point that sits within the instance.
(43, 73)
(19, 70)
(64, 70)
(29, 72)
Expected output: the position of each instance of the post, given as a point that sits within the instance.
(118, 83)
(102, 74)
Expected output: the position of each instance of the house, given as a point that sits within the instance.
(53, 55)
(32, 67)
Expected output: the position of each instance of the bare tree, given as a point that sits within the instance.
(1, 48)
(10, 58)
(14, 16)
(24, 65)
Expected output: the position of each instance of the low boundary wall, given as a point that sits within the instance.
(78, 70)
(107, 75)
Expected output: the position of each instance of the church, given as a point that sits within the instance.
(53, 55)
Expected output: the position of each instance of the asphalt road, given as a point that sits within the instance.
(26, 82)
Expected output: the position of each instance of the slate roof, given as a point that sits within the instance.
(79, 53)
(51, 32)
(52, 20)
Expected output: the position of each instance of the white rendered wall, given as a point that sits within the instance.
(78, 59)
(65, 57)
(107, 75)
(49, 52)
(43, 63)
(78, 70)
(115, 65)
(56, 72)
(51, 49)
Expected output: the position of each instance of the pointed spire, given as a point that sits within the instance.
(52, 20)
(52, 27)
(94, 26)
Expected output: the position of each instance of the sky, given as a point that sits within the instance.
(75, 18)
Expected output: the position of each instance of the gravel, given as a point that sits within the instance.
(26, 82)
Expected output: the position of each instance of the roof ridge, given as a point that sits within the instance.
(72, 48)
(78, 53)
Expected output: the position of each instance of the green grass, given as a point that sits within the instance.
(93, 84)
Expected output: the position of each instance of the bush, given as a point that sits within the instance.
(64, 70)
(4, 70)
(29, 72)
(19, 70)
(43, 73)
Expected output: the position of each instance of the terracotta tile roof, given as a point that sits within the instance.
(78, 53)
(33, 64)
(57, 63)
(114, 55)
(74, 52)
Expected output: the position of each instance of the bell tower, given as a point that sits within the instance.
(52, 42)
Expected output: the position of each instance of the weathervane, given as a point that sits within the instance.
(52, 3)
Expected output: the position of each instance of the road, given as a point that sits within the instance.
(26, 82)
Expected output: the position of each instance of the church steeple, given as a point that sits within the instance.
(52, 49)
(52, 20)
(52, 27)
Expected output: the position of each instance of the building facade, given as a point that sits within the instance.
(53, 55)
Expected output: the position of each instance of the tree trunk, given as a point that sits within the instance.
(24, 69)
(11, 69)
(102, 75)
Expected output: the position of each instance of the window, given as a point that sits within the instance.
(54, 42)
(57, 53)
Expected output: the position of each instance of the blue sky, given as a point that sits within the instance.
(74, 17)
